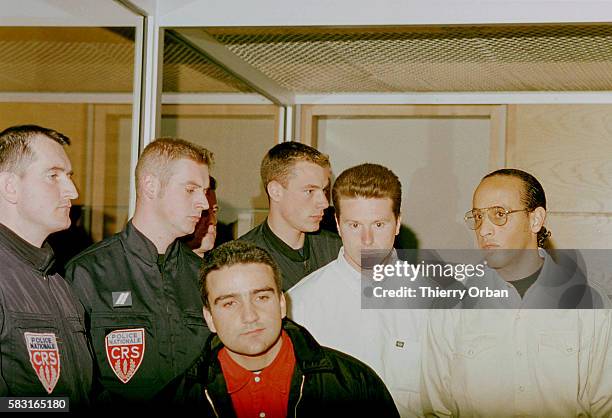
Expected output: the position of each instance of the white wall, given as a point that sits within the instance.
(439, 161)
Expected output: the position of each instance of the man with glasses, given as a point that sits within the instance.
(508, 218)
(508, 362)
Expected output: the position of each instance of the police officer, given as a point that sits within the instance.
(43, 347)
(140, 287)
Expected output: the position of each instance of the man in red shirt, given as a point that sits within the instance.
(260, 364)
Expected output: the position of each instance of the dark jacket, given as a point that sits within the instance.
(163, 300)
(320, 248)
(37, 304)
(325, 382)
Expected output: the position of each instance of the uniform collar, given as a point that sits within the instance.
(40, 258)
(280, 245)
(143, 247)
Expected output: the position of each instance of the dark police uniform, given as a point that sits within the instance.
(143, 314)
(43, 346)
(320, 248)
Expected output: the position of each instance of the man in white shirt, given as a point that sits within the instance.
(512, 362)
(367, 199)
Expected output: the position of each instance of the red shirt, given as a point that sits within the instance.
(263, 394)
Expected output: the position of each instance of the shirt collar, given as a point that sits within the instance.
(345, 265)
(280, 245)
(40, 258)
(277, 374)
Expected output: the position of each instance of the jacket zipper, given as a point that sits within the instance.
(212, 405)
(300, 397)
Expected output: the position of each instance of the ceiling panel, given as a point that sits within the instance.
(428, 59)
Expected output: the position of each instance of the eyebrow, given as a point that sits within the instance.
(62, 169)
(192, 183)
(252, 292)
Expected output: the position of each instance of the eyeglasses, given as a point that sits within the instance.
(496, 214)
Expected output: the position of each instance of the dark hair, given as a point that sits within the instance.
(213, 183)
(280, 159)
(532, 195)
(371, 181)
(15, 150)
(232, 253)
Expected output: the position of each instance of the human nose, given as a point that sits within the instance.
(322, 201)
(249, 313)
(70, 190)
(202, 201)
(367, 237)
(486, 226)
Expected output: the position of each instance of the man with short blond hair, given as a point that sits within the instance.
(140, 286)
(367, 199)
(296, 179)
(43, 349)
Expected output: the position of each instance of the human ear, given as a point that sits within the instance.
(151, 186)
(9, 186)
(399, 224)
(536, 219)
(209, 320)
(275, 190)
(283, 305)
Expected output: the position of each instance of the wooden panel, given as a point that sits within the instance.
(568, 148)
(580, 231)
(310, 114)
(67, 118)
(111, 169)
(587, 232)
(239, 136)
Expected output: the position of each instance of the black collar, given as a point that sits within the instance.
(309, 355)
(40, 259)
(143, 247)
(280, 245)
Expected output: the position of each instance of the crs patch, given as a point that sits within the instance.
(125, 350)
(44, 358)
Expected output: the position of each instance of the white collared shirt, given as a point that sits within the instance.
(513, 362)
(328, 304)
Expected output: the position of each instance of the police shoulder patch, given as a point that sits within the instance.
(44, 357)
(125, 350)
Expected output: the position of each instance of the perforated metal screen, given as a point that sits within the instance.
(188, 71)
(98, 60)
(321, 60)
(520, 58)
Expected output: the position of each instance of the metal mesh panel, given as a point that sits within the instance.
(187, 71)
(98, 60)
(66, 60)
(485, 58)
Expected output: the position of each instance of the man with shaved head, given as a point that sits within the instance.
(43, 349)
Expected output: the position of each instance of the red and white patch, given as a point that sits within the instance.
(125, 350)
(44, 357)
